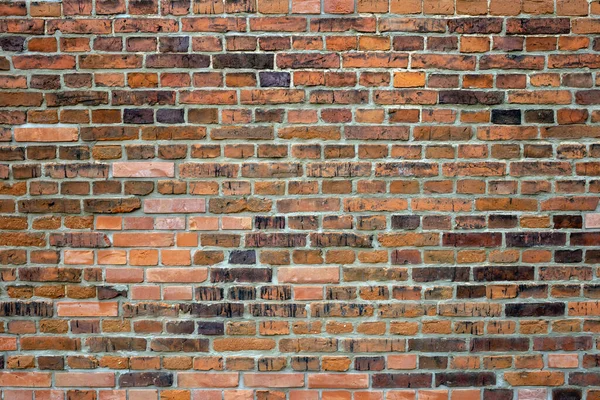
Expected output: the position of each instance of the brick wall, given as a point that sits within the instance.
(303, 199)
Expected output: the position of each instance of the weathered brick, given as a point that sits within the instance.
(240, 275)
(243, 60)
(111, 206)
(143, 379)
(441, 148)
(82, 239)
(26, 309)
(537, 26)
(176, 345)
(404, 380)
(470, 379)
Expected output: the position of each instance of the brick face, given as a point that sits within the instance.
(299, 199)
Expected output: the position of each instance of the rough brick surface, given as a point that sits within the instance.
(299, 199)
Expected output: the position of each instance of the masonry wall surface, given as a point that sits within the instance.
(303, 199)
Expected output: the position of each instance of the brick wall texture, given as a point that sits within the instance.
(300, 200)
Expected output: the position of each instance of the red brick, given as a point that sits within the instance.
(25, 379)
(308, 275)
(87, 309)
(143, 239)
(273, 380)
(165, 206)
(535, 378)
(180, 275)
(143, 169)
(330, 381)
(84, 379)
(46, 134)
(208, 380)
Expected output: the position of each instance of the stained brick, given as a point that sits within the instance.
(243, 60)
(404, 380)
(144, 379)
(26, 309)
